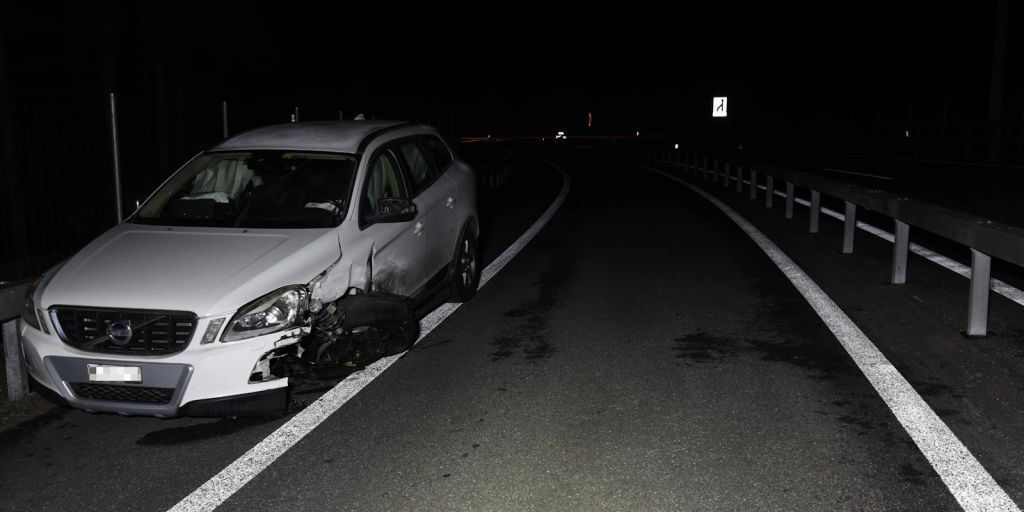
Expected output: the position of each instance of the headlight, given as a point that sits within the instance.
(28, 314)
(275, 311)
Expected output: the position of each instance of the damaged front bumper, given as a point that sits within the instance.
(203, 380)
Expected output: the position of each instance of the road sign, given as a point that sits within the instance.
(720, 106)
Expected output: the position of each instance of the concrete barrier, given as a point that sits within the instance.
(12, 301)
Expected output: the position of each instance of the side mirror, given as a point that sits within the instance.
(393, 209)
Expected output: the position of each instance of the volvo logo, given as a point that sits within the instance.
(120, 332)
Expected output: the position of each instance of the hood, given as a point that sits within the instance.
(208, 271)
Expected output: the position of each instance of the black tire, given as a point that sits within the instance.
(465, 268)
(389, 315)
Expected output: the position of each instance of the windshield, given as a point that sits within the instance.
(255, 189)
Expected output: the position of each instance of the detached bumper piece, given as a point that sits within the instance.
(264, 403)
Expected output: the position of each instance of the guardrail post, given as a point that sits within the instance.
(790, 196)
(900, 247)
(753, 184)
(977, 306)
(739, 178)
(815, 210)
(849, 227)
(704, 170)
(17, 378)
(714, 173)
(725, 175)
(769, 189)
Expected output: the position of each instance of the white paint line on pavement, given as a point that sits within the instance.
(964, 476)
(233, 477)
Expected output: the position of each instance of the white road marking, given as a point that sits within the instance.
(855, 173)
(964, 476)
(233, 477)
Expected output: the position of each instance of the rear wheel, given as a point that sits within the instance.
(466, 269)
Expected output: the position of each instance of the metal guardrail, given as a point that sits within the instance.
(12, 301)
(985, 238)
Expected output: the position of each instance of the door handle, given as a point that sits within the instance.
(450, 203)
(418, 228)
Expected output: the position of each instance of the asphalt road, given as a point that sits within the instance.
(640, 354)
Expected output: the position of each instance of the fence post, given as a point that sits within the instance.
(769, 190)
(224, 117)
(753, 184)
(977, 306)
(815, 210)
(117, 155)
(739, 178)
(849, 227)
(17, 378)
(900, 247)
(790, 196)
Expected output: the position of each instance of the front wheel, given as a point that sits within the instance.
(466, 269)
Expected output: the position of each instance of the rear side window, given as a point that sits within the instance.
(420, 167)
(439, 151)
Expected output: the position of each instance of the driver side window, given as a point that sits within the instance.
(384, 180)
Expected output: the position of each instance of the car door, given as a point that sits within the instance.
(454, 198)
(399, 248)
(435, 193)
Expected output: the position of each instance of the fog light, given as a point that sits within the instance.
(211, 331)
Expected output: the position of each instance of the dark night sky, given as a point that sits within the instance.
(526, 67)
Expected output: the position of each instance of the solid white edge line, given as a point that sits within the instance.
(965, 477)
(233, 477)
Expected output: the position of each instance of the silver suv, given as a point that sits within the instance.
(309, 243)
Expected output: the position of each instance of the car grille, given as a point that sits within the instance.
(151, 332)
(118, 393)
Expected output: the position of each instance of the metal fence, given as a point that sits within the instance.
(59, 171)
(1001, 143)
(60, 163)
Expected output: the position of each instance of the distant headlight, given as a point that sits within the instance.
(273, 312)
(28, 313)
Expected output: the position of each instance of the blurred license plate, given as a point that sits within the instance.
(107, 373)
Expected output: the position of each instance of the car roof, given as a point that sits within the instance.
(334, 136)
